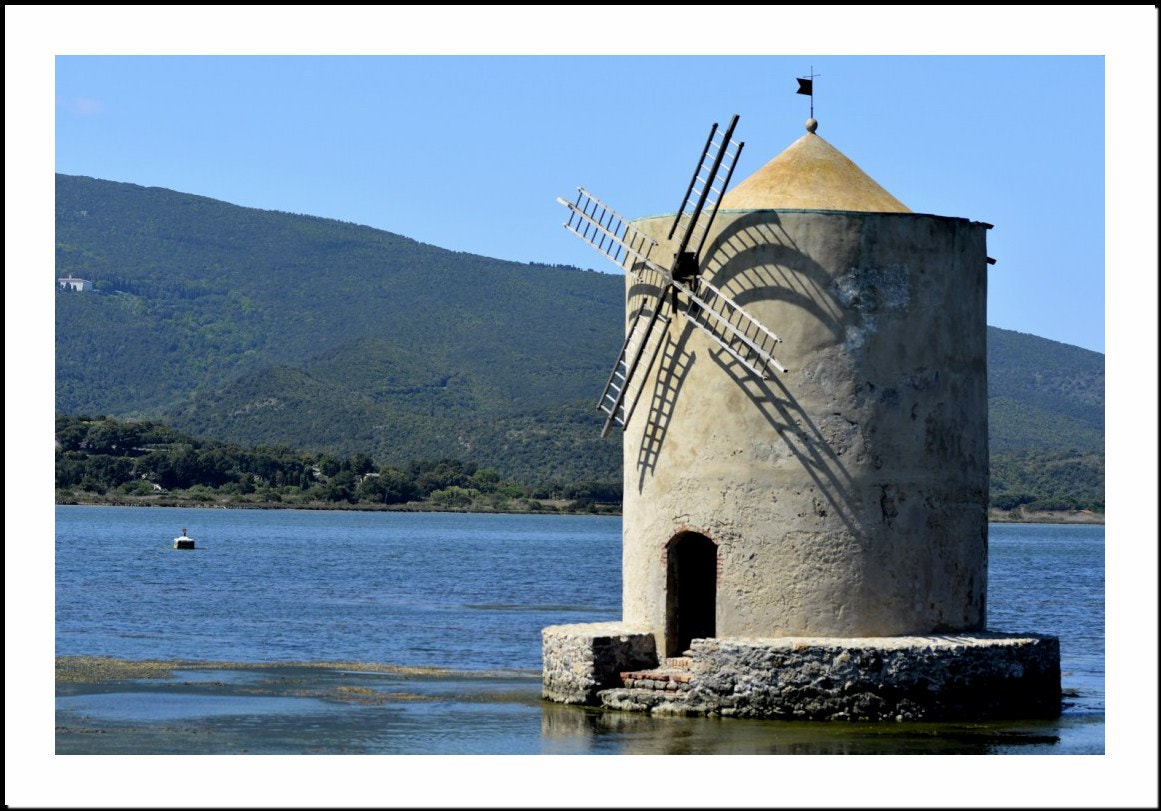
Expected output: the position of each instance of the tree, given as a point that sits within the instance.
(340, 487)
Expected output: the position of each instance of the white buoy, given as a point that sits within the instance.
(183, 541)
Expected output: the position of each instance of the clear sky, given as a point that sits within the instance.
(460, 126)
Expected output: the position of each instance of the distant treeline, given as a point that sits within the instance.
(124, 460)
(102, 458)
(1048, 481)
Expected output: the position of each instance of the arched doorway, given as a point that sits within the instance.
(691, 584)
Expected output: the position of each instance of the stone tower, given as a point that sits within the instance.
(811, 542)
(846, 496)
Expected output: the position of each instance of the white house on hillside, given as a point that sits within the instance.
(80, 285)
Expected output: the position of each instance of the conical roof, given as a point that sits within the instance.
(811, 174)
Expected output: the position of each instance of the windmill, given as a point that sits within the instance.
(684, 287)
(847, 515)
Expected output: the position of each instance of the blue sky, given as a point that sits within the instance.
(460, 126)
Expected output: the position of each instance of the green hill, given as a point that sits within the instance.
(1044, 395)
(257, 326)
(1046, 423)
(248, 326)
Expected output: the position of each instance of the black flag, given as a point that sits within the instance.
(805, 87)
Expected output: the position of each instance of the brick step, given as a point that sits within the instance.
(665, 679)
(673, 675)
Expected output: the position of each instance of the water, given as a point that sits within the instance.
(275, 591)
(468, 592)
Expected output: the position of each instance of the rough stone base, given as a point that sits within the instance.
(580, 660)
(975, 676)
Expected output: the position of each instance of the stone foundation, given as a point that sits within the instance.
(581, 660)
(978, 676)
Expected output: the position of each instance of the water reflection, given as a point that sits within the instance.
(317, 709)
(568, 729)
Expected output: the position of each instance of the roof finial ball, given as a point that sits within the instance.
(811, 125)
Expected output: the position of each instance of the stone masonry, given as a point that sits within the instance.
(926, 678)
(581, 660)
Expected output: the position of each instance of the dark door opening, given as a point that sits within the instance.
(691, 591)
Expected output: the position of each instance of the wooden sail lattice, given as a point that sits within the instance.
(737, 332)
(624, 386)
(608, 232)
(707, 186)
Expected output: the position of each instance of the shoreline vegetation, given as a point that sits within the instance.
(519, 506)
(1023, 516)
(103, 460)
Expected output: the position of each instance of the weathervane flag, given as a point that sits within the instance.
(805, 87)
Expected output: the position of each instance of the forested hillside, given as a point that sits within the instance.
(1044, 395)
(1046, 412)
(255, 327)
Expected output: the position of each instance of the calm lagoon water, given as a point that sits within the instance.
(276, 592)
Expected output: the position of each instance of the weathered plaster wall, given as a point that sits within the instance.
(847, 497)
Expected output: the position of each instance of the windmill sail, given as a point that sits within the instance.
(636, 359)
(608, 232)
(708, 184)
(723, 319)
(735, 330)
